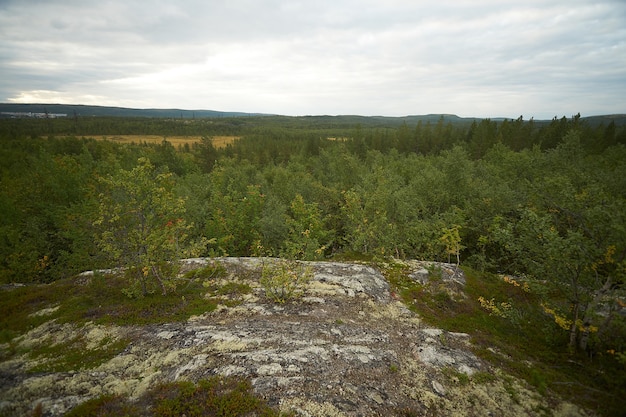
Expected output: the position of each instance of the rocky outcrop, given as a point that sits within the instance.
(346, 348)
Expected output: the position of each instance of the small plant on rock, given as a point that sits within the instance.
(435, 272)
(285, 280)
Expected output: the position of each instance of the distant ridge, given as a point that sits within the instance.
(80, 110)
(88, 111)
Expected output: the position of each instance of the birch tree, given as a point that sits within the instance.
(141, 227)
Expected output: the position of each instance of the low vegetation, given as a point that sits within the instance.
(512, 331)
(284, 280)
(72, 355)
(217, 396)
(99, 299)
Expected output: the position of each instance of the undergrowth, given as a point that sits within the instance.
(515, 334)
(217, 396)
(285, 280)
(73, 355)
(98, 300)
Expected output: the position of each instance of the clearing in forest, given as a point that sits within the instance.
(218, 141)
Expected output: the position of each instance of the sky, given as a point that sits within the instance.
(473, 58)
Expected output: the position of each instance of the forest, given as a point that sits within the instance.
(544, 202)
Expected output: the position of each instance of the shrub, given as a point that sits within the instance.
(215, 396)
(285, 280)
(103, 406)
(141, 227)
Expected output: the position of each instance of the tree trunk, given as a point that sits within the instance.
(584, 336)
(142, 280)
(590, 310)
(157, 275)
(573, 330)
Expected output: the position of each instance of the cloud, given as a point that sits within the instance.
(475, 58)
(46, 96)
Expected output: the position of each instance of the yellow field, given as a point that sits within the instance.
(218, 141)
(222, 141)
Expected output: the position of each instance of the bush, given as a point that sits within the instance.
(285, 280)
(104, 406)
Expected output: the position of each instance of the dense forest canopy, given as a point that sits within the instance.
(545, 201)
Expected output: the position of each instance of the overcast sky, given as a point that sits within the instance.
(483, 58)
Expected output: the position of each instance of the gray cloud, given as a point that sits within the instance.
(398, 57)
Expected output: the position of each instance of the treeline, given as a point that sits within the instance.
(421, 134)
(109, 126)
(543, 201)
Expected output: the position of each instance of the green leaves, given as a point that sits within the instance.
(308, 237)
(285, 280)
(142, 227)
(452, 241)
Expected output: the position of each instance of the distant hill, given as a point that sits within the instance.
(618, 119)
(71, 110)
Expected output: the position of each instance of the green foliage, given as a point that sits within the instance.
(569, 249)
(142, 227)
(102, 303)
(483, 377)
(382, 187)
(308, 237)
(105, 406)
(234, 210)
(42, 200)
(211, 271)
(435, 272)
(216, 396)
(284, 280)
(234, 288)
(452, 240)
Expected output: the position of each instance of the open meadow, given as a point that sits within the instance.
(176, 141)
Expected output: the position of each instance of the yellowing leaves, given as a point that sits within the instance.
(502, 309)
(565, 323)
(524, 286)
